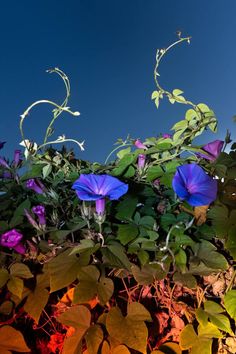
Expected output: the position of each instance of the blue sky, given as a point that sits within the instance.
(107, 48)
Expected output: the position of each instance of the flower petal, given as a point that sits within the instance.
(95, 187)
(194, 185)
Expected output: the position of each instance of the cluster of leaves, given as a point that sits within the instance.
(145, 282)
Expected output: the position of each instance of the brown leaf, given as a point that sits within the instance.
(200, 213)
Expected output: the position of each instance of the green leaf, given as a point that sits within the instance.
(77, 317)
(137, 312)
(46, 170)
(105, 289)
(191, 114)
(127, 233)
(4, 276)
(73, 344)
(212, 307)
(154, 172)
(185, 279)
(201, 316)
(188, 337)
(126, 208)
(130, 172)
(167, 220)
(12, 340)
(207, 253)
(182, 124)
(221, 322)
(19, 213)
(230, 303)
(20, 270)
(15, 286)
(177, 92)
(209, 331)
(123, 152)
(130, 330)
(126, 161)
(116, 256)
(181, 259)
(147, 274)
(94, 338)
(231, 242)
(64, 268)
(36, 302)
(90, 285)
(155, 94)
(36, 171)
(168, 348)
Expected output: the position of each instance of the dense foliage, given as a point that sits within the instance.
(133, 256)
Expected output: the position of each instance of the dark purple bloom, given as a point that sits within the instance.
(141, 157)
(3, 163)
(39, 210)
(98, 187)
(31, 220)
(35, 185)
(191, 183)
(2, 144)
(166, 136)
(6, 175)
(213, 150)
(17, 160)
(11, 239)
(141, 161)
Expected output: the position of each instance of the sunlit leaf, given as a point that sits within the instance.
(12, 340)
(94, 338)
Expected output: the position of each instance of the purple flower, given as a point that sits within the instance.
(139, 144)
(35, 185)
(39, 210)
(141, 157)
(11, 239)
(98, 187)
(166, 136)
(6, 175)
(213, 150)
(17, 160)
(31, 220)
(3, 163)
(2, 144)
(192, 184)
(141, 161)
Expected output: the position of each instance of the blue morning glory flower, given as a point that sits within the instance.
(212, 149)
(191, 183)
(98, 187)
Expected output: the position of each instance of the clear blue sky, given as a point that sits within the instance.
(107, 48)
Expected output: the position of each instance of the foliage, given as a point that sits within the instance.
(147, 273)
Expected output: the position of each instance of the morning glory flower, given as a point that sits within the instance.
(141, 157)
(166, 136)
(11, 239)
(98, 187)
(4, 163)
(2, 144)
(35, 185)
(39, 210)
(213, 150)
(17, 160)
(191, 183)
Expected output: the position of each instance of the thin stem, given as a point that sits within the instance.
(64, 103)
(58, 141)
(117, 148)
